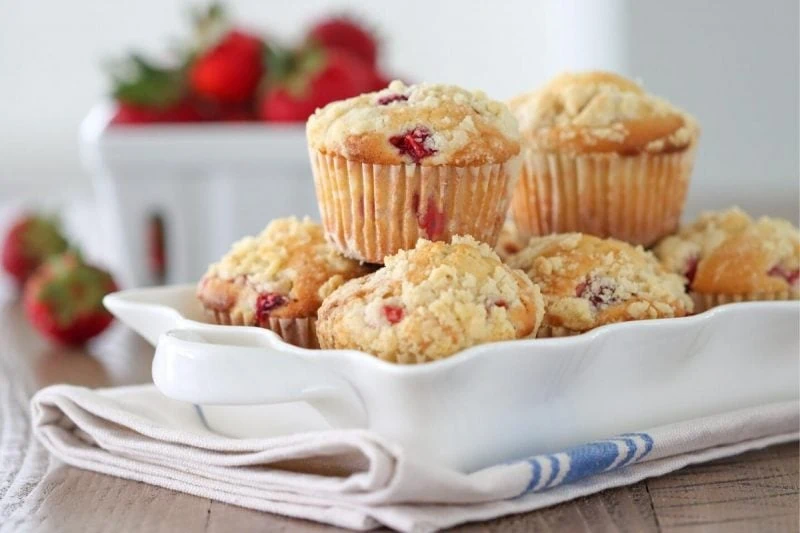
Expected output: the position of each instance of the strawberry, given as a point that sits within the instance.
(343, 33)
(219, 112)
(64, 299)
(230, 71)
(320, 77)
(134, 114)
(148, 93)
(279, 105)
(236, 114)
(29, 242)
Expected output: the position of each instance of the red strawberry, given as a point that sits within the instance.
(146, 93)
(236, 114)
(64, 299)
(231, 70)
(342, 33)
(219, 112)
(323, 76)
(135, 114)
(30, 241)
(279, 105)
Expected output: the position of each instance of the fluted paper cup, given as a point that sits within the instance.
(703, 302)
(371, 211)
(297, 331)
(637, 198)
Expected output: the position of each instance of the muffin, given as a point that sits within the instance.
(277, 280)
(589, 282)
(601, 156)
(409, 162)
(431, 302)
(726, 257)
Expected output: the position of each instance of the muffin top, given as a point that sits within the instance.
(284, 272)
(727, 252)
(430, 302)
(601, 112)
(587, 281)
(425, 124)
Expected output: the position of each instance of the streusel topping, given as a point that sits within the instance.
(290, 260)
(727, 252)
(425, 124)
(601, 112)
(587, 281)
(430, 302)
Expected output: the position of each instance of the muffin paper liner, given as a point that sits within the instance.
(298, 331)
(637, 198)
(371, 211)
(703, 302)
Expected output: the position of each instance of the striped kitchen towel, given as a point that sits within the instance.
(358, 480)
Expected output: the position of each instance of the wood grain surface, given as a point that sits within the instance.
(756, 491)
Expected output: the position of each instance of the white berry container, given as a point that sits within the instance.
(485, 405)
(209, 183)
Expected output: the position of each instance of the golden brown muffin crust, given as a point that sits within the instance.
(601, 112)
(425, 124)
(588, 282)
(430, 302)
(286, 271)
(728, 252)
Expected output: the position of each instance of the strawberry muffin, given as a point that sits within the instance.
(431, 302)
(409, 162)
(277, 280)
(589, 282)
(727, 256)
(601, 156)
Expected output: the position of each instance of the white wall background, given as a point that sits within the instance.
(734, 64)
(51, 51)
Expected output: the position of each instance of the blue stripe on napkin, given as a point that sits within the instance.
(586, 460)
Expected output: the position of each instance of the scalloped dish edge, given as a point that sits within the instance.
(155, 302)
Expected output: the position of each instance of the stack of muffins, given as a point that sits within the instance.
(414, 184)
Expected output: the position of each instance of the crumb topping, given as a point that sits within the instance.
(587, 281)
(430, 302)
(285, 271)
(727, 252)
(460, 127)
(601, 112)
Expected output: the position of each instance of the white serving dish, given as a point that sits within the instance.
(211, 184)
(488, 404)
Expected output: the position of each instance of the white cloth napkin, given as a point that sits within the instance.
(356, 479)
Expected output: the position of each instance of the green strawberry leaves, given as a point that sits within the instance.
(42, 237)
(292, 69)
(70, 288)
(137, 81)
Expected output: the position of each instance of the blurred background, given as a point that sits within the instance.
(733, 64)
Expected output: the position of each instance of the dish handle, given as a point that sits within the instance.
(151, 311)
(219, 365)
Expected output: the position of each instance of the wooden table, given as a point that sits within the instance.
(757, 491)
